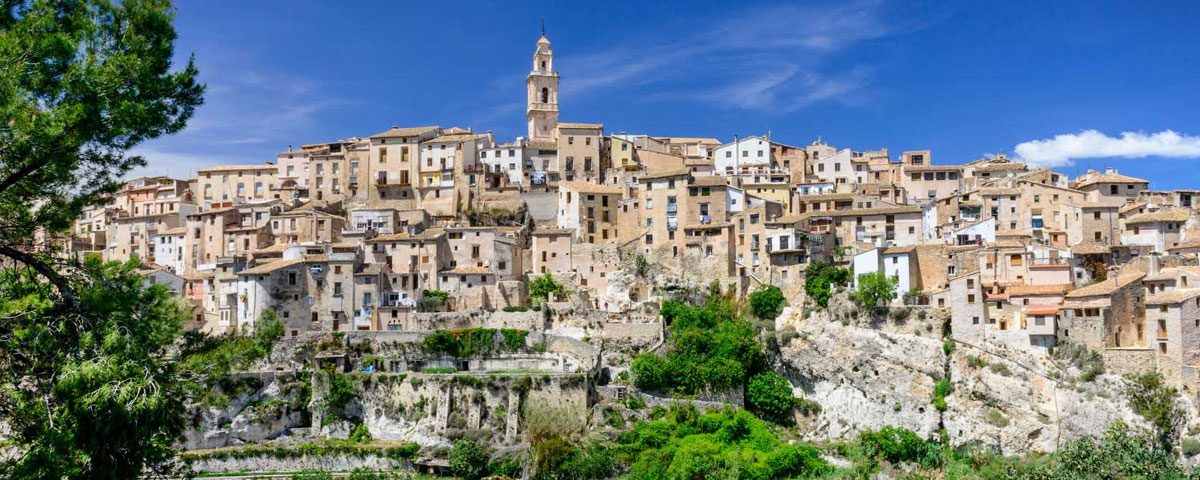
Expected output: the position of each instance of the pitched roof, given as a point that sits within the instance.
(427, 234)
(455, 138)
(1108, 286)
(396, 132)
(1090, 248)
(1193, 243)
(708, 181)
(589, 187)
(1029, 290)
(665, 173)
(1178, 215)
(1094, 178)
(1174, 296)
(265, 268)
(1042, 310)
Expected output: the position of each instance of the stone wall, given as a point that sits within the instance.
(266, 463)
(435, 410)
(1125, 361)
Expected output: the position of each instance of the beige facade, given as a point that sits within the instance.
(234, 184)
(579, 147)
(589, 209)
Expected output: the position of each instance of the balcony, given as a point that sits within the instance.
(672, 207)
(362, 317)
(672, 223)
(385, 181)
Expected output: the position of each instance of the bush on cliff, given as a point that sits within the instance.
(766, 302)
(821, 278)
(711, 350)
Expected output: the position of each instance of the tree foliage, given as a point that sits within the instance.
(770, 396)
(766, 302)
(89, 392)
(875, 289)
(687, 444)
(711, 350)
(81, 83)
(1158, 403)
(820, 280)
(468, 460)
(541, 288)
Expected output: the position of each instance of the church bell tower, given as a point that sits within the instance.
(541, 106)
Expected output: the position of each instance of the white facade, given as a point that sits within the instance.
(895, 265)
(735, 199)
(752, 151)
(168, 249)
(508, 158)
(982, 233)
(836, 169)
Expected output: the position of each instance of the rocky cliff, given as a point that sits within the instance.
(870, 370)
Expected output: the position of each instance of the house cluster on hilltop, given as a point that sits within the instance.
(357, 234)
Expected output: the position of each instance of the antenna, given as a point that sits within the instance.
(543, 26)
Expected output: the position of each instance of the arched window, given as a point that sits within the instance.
(545, 95)
(543, 64)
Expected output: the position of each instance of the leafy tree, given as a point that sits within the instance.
(687, 444)
(875, 289)
(89, 392)
(268, 329)
(711, 349)
(1158, 403)
(86, 389)
(541, 288)
(820, 279)
(770, 396)
(767, 302)
(468, 460)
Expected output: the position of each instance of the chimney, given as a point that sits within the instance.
(1153, 269)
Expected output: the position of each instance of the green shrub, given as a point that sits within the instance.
(514, 308)
(635, 402)
(711, 349)
(361, 434)
(766, 302)
(468, 460)
(807, 407)
(1158, 403)
(948, 346)
(996, 417)
(974, 361)
(1000, 369)
(1190, 446)
(685, 443)
(770, 396)
(940, 391)
(899, 445)
(820, 279)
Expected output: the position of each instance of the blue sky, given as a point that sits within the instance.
(963, 79)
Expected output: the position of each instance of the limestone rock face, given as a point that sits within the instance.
(864, 379)
(1011, 401)
(1010, 397)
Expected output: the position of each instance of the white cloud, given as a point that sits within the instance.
(1063, 150)
(769, 58)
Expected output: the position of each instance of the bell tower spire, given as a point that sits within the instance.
(541, 106)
